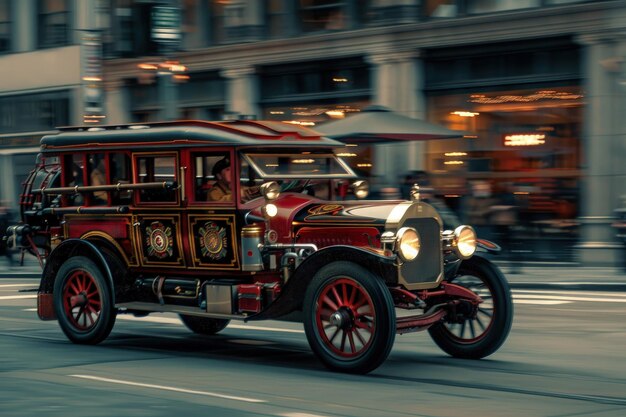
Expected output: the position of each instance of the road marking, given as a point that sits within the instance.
(15, 285)
(569, 298)
(166, 388)
(540, 302)
(299, 415)
(170, 320)
(16, 297)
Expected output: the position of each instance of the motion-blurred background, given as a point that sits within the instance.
(536, 89)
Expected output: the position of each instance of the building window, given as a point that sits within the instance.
(5, 26)
(490, 6)
(323, 15)
(440, 8)
(34, 112)
(314, 92)
(54, 23)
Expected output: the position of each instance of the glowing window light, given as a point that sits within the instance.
(453, 162)
(346, 154)
(303, 161)
(340, 79)
(455, 154)
(531, 139)
(465, 113)
(364, 165)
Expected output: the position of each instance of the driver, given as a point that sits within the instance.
(221, 190)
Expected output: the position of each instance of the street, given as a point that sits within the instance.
(564, 357)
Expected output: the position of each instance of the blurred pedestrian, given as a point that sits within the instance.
(477, 209)
(6, 219)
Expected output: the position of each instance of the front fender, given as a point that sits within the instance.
(292, 294)
(67, 249)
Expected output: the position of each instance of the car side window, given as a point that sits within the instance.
(74, 175)
(212, 177)
(161, 169)
(120, 174)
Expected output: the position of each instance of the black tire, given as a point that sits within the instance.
(349, 318)
(492, 320)
(204, 325)
(83, 301)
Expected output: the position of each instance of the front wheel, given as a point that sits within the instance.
(482, 331)
(83, 302)
(204, 325)
(349, 318)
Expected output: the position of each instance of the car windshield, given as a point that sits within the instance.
(303, 165)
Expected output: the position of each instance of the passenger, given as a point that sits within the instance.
(221, 189)
(98, 178)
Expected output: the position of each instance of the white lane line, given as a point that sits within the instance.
(16, 297)
(15, 285)
(570, 298)
(540, 302)
(29, 309)
(572, 292)
(170, 320)
(300, 415)
(166, 388)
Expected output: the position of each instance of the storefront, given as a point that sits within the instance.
(522, 109)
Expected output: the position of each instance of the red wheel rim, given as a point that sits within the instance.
(475, 328)
(345, 317)
(81, 300)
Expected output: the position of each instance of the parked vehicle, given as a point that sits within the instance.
(286, 245)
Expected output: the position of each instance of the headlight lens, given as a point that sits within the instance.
(408, 244)
(270, 210)
(465, 241)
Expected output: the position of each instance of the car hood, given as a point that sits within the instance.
(372, 213)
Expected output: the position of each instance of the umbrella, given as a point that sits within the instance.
(377, 124)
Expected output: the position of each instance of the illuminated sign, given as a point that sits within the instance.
(527, 139)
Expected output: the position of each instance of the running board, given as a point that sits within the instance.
(189, 311)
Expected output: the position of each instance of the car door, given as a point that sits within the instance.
(210, 216)
(157, 217)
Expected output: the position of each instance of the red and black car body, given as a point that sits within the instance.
(289, 244)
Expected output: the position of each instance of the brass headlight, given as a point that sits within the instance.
(464, 241)
(361, 189)
(270, 190)
(408, 244)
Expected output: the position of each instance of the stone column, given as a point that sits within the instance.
(117, 103)
(604, 147)
(242, 91)
(397, 79)
(24, 31)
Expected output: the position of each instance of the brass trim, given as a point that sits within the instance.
(110, 240)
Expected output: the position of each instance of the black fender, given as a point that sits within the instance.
(292, 294)
(481, 256)
(67, 249)
(487, 246)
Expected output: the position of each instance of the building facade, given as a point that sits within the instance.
(537, 86)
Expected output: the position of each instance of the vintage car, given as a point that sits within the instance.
(124, 219)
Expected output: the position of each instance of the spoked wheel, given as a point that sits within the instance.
(478, 332)
(204, 325)
(83, 301)
(349, 318)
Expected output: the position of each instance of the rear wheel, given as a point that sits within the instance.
(204, 325)
(479, 331)
(349, 318)
(83, 301)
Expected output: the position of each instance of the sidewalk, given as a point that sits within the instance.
(530, 276)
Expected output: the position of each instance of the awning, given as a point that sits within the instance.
(377, 124)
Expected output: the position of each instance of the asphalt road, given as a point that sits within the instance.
(565, 357)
